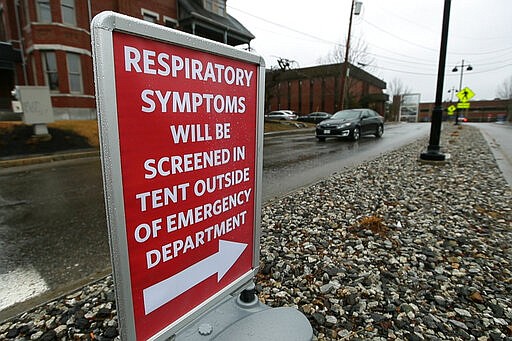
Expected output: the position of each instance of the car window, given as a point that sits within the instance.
(347, 114)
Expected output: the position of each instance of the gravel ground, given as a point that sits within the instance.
(394, 249)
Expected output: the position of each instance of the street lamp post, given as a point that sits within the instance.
(452, 91)
(357, 6)
(469, 68)
(433, 153)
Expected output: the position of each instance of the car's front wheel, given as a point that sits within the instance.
(321, 139)
(380, 131)
(356, 134)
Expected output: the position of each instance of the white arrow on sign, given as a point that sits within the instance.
(219, 263)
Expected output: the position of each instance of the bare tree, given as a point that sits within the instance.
(504, 91)
(396, 89)
(358, 55)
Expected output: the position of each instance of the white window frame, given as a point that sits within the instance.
(64, 5)
(46, 72)
(39, 12)
(74, 73)
(145, 12)
(173, 21)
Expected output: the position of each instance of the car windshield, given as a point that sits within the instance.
(346, 114)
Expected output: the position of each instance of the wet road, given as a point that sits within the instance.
(53, 234)
(294, 161)
(52, 228)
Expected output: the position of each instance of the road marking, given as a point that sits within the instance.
(20, 285)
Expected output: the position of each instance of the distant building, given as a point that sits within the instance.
(479, 111)
(48, 42)
(318, 88)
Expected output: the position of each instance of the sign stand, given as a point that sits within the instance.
(244, 317)
(181, 131)
(35, 104)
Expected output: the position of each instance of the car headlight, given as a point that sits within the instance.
(344, 125)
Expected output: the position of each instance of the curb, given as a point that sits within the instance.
(31, 160)
(289, 132)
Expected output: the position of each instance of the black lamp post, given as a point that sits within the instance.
(433, 152)
(468, 68)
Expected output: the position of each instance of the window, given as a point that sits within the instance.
(44, 12)
(216, 6)
(169, 22)
(50, 70)
(67, 8)
(74, 72)
(149, 15)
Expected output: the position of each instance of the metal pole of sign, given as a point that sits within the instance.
(460, 89)
(433, 152)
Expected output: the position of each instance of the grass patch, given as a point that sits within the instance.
(85, 128)
(371, 223)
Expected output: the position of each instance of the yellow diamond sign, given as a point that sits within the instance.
(451, 109)
(465, 94)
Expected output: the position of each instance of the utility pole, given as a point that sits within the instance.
(344, 67)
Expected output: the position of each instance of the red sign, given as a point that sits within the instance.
(187, 137)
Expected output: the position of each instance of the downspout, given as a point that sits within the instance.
(89, 10)
(20, 41)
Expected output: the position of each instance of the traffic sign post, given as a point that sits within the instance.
(464, 96)
(451, 109)
(181, 128)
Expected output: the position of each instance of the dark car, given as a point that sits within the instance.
(315, 117)
(287, 115)
(351, 123)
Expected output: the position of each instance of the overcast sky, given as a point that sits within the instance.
(402, 36)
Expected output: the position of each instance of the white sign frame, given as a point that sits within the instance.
(102, 28)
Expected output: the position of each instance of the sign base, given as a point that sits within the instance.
(236, 319)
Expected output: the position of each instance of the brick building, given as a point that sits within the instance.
(318, 88)
(48, 42)
(480, 111)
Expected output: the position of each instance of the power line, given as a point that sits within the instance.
(412, 60)
(399, 38)
(283, 26)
